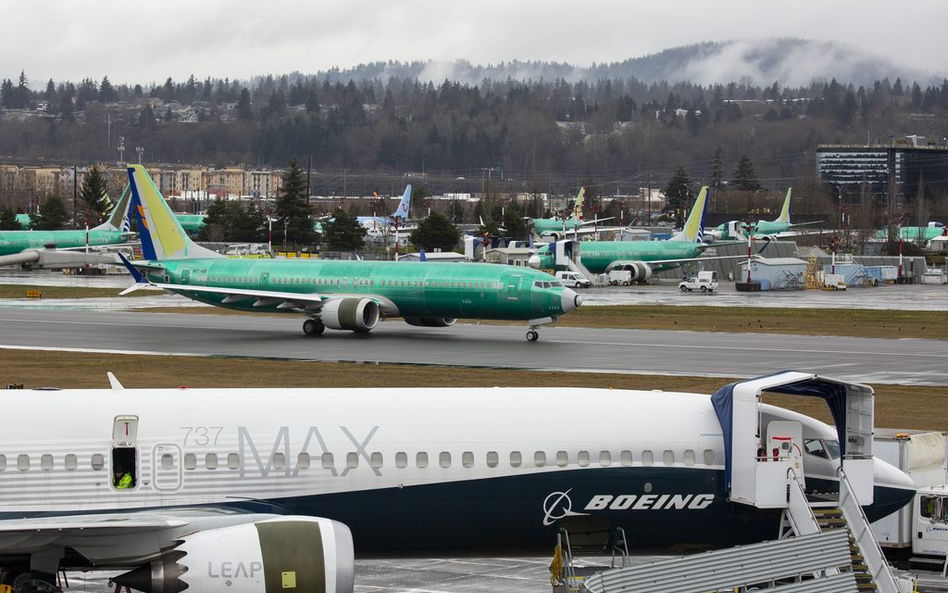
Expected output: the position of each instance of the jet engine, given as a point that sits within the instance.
(296, 553)
(431, 321)
(358, 315)
(641, 271)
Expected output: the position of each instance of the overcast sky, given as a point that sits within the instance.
(141, 42)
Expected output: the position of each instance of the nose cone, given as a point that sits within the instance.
(534, 262)
(570, 300)
(893, 490)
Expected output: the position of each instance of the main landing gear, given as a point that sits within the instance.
(313, 327)
(532, 335)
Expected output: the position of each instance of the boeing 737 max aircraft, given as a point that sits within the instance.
(225, 490)
(342, 295)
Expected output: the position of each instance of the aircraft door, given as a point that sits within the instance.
(166, 461)
(513, 283)
(185, 276)
(264, 279)
(124, 466)
(785, 442)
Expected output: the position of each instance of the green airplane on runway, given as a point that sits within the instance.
(641, 258)
(108, 233)
(341, 295)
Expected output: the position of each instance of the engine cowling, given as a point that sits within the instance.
(431, 321)
(358, 315)
(296, 553)
(641, 271)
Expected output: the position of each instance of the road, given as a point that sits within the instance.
(871, 360)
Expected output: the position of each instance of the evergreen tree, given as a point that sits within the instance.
(436, 232)
(292, 211)
(52, 215)
(91, 192)
(678, 192)
(745, 178)
(8, 220)
(343, 232)
(215, 222)
(107, 93)
(146, 117)
(717, 169)
(244, 108)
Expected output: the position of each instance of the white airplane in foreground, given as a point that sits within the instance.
(253, 490)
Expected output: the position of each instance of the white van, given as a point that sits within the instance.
(573, 279)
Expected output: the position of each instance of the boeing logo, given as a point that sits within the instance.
(558, 505)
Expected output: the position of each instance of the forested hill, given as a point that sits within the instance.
(789, 62)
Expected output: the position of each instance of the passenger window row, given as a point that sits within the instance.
(445, 459)
(212, 461)
(47, 463)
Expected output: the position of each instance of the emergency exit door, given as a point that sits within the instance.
(124, 467)
(167, 473)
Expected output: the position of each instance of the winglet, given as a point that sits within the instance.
(140, 280)
(115, 383)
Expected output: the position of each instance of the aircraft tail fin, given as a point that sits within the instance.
(161, 233)
(785, 211)
(693, 231)
(578, 208)
(118, 218)
(404, 207)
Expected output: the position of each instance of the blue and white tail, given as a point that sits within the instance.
(693, 231)
(785, 211)
(161, 233)
(404, 207)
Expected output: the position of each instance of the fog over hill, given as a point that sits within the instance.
(790, 62)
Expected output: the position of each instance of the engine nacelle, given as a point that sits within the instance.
(358, 315)
(431, 321)
(641, 271)
(295, 553)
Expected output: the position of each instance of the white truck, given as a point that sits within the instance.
(704, 281)
(918, 531)
(617, 277)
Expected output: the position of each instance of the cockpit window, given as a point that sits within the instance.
(832, 447)
(545, 284)
(815, 447)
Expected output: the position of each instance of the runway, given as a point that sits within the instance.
(871, 360)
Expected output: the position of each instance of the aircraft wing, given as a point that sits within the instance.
(283, 300)
(681, 260)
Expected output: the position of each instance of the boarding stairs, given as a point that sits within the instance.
(804, 516)
(778, 482)
(567, 253)
(569, 576)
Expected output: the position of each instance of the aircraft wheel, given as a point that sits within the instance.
(532, 336)
(313, 327)
(626, 283)
(704, 289)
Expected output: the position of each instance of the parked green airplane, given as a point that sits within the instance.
(641, 258)
(558, 228)
(13, 244)
(342, 295)
(192, 223)
(915, 233)
(26, 223)
(734, 229)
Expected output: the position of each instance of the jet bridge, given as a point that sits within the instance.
(763, 464)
